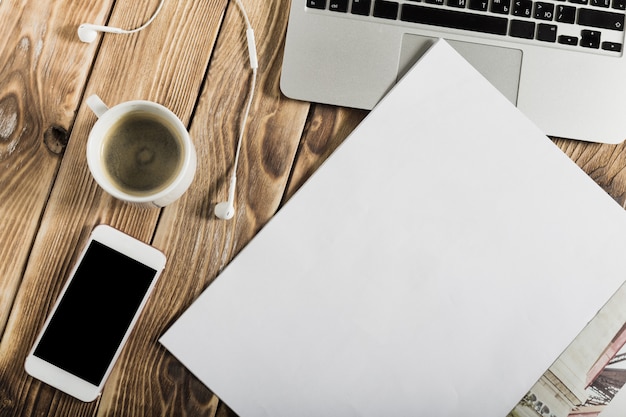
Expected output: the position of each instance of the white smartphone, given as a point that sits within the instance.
(95, 313)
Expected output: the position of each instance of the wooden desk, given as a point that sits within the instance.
(192, 59)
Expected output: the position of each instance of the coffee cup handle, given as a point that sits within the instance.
(96, 105)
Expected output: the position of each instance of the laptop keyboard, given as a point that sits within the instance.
(584, 25)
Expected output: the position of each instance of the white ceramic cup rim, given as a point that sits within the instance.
(107, 120)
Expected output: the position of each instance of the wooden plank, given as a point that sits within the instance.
(326, 128)
(168, 63)
(199, 245)
(606, 164)
(43, 68)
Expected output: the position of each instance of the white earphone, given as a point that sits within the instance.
(88, 32)
(226, 209)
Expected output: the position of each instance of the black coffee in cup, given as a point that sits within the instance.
(142, 153)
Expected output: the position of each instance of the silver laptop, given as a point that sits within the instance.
(561, 62)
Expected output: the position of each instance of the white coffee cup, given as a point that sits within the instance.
(140, 152)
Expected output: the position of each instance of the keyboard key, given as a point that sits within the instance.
(612, 46)
(361, 7)
(590, 39)
(437, 2)
(601, 19)
(565, 14)
(578, 1)
(457, 3)
(600, 3)
(546, 32)
(522, 8)
(338, 5)
(568, 40)
(619, 4)
(316, 4)
(501, 6)
(454, 19)
(386, 9)
(480, 5)
(544, 11)
(522, 29)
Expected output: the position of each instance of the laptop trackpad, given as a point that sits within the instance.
(501, 66)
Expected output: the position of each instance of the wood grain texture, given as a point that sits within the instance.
(606, 164)
(326, 128)
(42, 74)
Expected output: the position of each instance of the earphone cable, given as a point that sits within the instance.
(145, 25)
(253, 65)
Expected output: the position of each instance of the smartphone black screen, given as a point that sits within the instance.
(95, 312)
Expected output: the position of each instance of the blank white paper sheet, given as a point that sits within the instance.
(435, 265)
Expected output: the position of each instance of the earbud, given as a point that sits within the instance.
(226, 209)
(88, 32)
